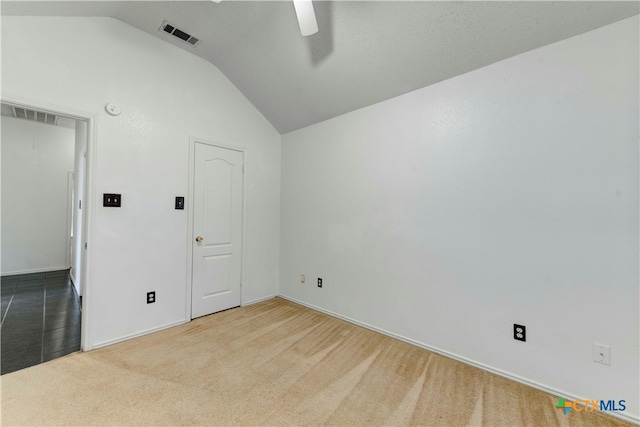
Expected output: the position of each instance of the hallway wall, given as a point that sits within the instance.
(36, 160)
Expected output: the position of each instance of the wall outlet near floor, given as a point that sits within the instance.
(302, 278)
(602, 354)
(519, 332)
(319, 282)
(151, 297)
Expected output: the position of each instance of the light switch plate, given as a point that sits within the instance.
(179, 202)
(602, 354)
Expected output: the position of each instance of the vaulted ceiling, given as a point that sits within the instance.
(364, 52)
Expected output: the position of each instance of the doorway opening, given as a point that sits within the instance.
(44, 223)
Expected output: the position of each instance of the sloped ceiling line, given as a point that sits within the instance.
(365, 51)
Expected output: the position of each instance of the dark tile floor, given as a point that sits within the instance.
(40, 316)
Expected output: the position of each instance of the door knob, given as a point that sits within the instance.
(199, 239)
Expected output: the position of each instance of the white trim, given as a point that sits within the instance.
(256, 301)
(217, 144)
(189, 205)
(31, 103)
(189, 212)
(35, 270)
(88, 201)
(90, 178)
(504, 374)
(139, 334)
(70, 204)
(245, 174)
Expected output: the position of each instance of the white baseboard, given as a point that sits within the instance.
(558, 393)
(35, 270)
(167, 326)
(138, 334)
(255, 301)
(75, 285)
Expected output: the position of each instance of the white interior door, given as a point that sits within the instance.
(217, 229)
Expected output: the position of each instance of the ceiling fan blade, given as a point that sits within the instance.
(306, 17)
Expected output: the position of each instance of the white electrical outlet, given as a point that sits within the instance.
(602, 354)
(302, 278)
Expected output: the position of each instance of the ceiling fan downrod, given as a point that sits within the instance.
(306, 17)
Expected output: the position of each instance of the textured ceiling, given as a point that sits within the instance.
(364, 52)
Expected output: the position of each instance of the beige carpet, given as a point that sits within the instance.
(273, 363)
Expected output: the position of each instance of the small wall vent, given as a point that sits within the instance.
(178, 33)
(36, 116)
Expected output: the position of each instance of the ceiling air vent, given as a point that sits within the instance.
(36, 116)
(176, 32)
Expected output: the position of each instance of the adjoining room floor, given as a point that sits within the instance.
(40, 316)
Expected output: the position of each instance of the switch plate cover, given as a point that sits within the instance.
(111, 200)
(179, 202)
(602, 354)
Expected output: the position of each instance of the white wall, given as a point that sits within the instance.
(36, 160)
(77, 244)
(166, 94)
(506, 195)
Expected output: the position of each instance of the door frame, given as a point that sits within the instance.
(86, 342)
(70, 217)
(190, 211)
